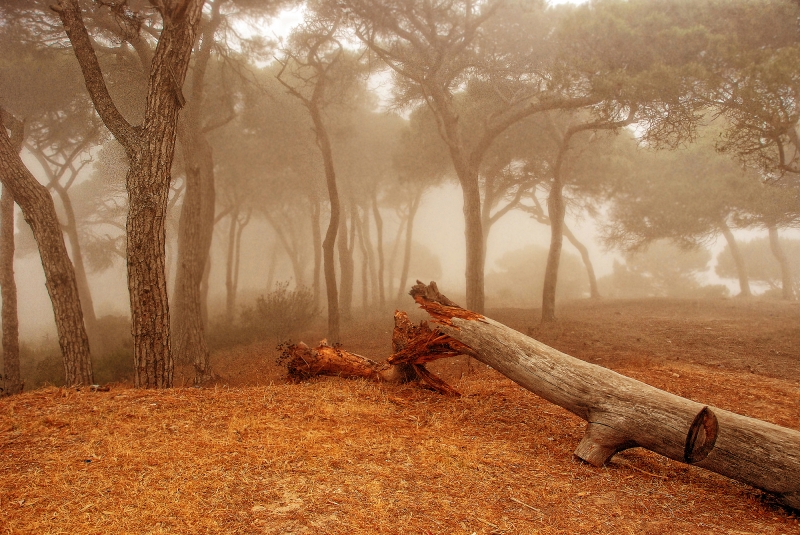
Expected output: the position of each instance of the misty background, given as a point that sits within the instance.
(657, 183)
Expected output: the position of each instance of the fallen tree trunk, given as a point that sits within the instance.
(624, 413)
(413, 346)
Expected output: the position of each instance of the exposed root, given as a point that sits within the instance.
(413, 346)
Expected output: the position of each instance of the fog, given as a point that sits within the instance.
(546, 152)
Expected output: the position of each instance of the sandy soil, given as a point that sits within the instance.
(252, 454)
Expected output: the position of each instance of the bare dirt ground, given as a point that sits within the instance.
(252, 454)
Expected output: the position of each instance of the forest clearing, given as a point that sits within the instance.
(254, 454)
(192, 188)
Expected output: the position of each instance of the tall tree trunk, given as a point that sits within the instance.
(466, 164)
(195, 232)
(237, 255)
(412, 212)
(333, 226)
(556, 207)
(366, 237)
(316, 236)
(738, 260)
(40, 213)
(555, 211)
(787, 284)
(346, 266)
(196, 225)
(230, 292)
(12, 380)
(150, 149)
(594, 293)
(393, 256)
(376, 215)
(204, 292)
(366, 257)
(473, 232)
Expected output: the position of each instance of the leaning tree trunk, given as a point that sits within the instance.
(40, 213)
(81, 278)
(12, 380)
(738, 260)
(787, 284)
(594, 293)
(623, 413)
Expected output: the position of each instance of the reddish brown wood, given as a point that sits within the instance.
(413, 345)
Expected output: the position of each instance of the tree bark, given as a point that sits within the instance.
(738, 260)
(40, 213)
(195, 233)
(622, 413)
(787, 284)
(11, 379)
(594, 293)
(150, 149)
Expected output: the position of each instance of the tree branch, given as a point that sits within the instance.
(70, 14)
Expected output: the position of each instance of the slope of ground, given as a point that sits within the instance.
(255, 455)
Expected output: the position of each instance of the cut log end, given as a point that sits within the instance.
(600, 443)
(701, 437)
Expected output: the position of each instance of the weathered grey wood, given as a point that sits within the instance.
(622, 412)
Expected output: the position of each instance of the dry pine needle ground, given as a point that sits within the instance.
(334, 456)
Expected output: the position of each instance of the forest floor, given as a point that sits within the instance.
(254, 454)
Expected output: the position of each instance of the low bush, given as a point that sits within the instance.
(279, 314)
